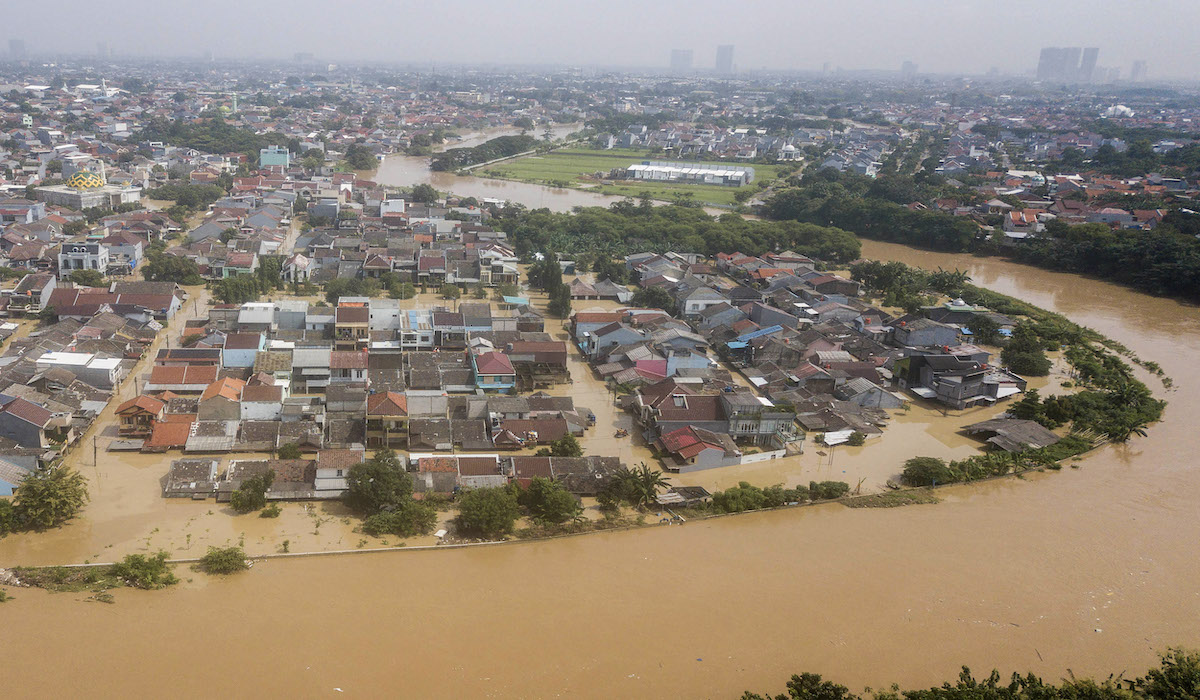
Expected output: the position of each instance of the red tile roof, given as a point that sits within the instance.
(149, 404)
(27, 411)
(389, 403)
(493, 363)
(170, 434)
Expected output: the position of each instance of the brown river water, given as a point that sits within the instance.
(1090, 570)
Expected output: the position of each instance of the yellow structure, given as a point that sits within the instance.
(85, 180)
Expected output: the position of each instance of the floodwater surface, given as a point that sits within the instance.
(1091, 569)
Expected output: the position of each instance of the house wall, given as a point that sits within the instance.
(238, 358)
(260, 410)
(26, 434)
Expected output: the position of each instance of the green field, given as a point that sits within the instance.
(575, 167)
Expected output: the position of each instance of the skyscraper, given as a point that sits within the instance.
(681, 60)
(1137, 73)
(725, 59)
(1067, 64)
(908, 71)
(1087, 69)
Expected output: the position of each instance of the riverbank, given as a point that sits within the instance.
(1088, 569)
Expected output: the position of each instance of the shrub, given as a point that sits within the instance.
(252, 494)
(228, 560)
(548, 501)
(926, 471)
(827, 490)
(1029, 364)
(289, 450)
(410, 519)
(271, 511)
(856, 439)
(149, 573)
(487, 512)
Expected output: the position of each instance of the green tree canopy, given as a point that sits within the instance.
(487, 512)
(49, 497)
(377, 483)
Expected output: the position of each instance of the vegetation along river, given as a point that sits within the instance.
(1091, 569)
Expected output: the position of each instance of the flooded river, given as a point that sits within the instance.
(1091, 569)
(400, 170)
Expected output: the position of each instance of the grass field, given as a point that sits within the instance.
(576, 167)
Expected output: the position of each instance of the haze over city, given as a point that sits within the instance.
(939, 36)
(511, 349)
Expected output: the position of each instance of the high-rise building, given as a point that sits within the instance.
(681, 60)
(1087, 68)
(103, 50)
(1137, 73)
(16, 48)
(908, 71)
(1069, 64)
(725, 59)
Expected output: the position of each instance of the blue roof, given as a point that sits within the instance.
(759, 333)
(735, 345)
(519, 301)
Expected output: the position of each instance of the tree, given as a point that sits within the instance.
(252, 494)
(641, 486)
(343, 287)
(827, 490)
(926, 471)
(88, 278)
(607, 268)
(359, 157)
(566, 446)
(654, 298)
(289, 450)
(487, 512)
(406, 520)
(809, 686)
(560, 302)
(49, 497)
(984, 328)
(172, 268)
(8, 517)
(548, 501)
(377, 483)
(403, 290)
(1029, 407)
(450, 291)
(238, 289)
(856, 439)
(223, 561)
(146, 572)
(1029, 364)
(74, 228)
(424, 194)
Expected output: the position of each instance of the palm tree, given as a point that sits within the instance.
(647, 482)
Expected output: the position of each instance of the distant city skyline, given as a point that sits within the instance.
(621, 33)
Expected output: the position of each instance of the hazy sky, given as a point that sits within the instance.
(939, 35)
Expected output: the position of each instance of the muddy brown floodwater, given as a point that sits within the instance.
(1091, 569)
